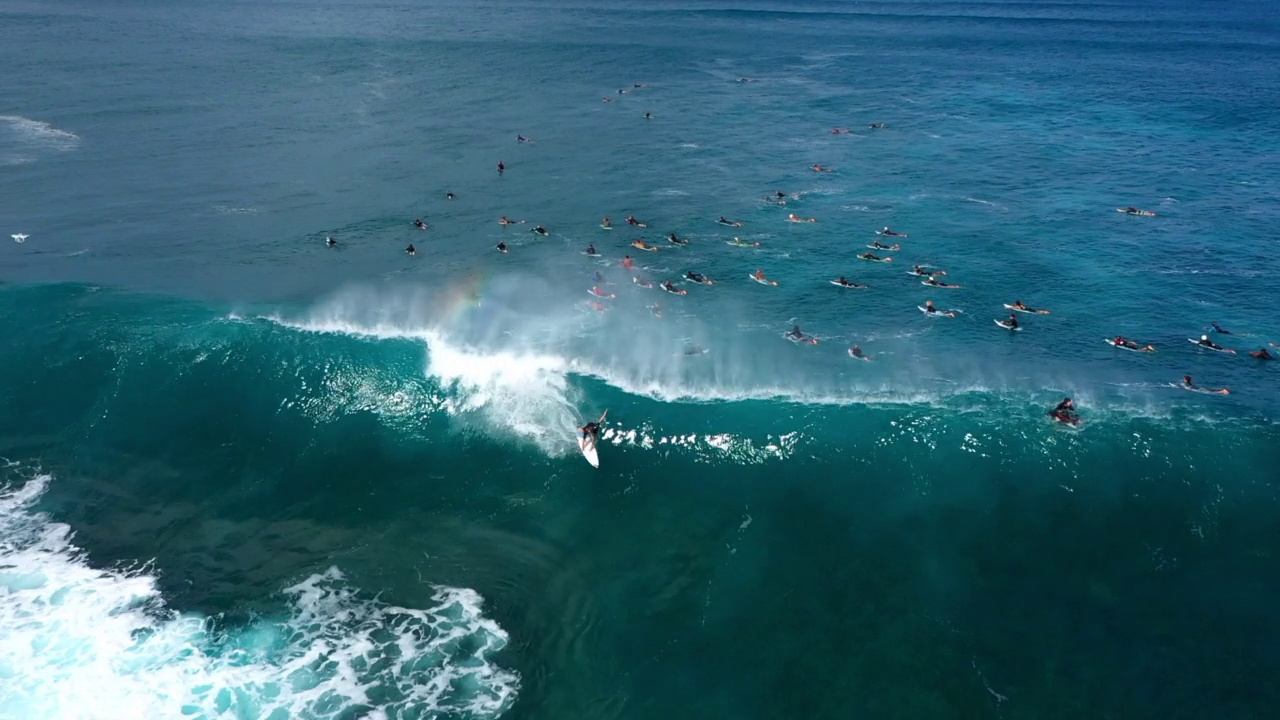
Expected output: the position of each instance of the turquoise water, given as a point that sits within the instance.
(251, 476)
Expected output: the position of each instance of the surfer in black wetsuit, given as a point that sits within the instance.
(696, 277)
(856, 351)
(448, 196)
(411, 250)
(1262, 354)
(795, 333)
(1065, 412)
(330, 242)
(502, 247)
(1204, 341)
(1219, 329)
(419, 224)
(591, 249)
(591, 431)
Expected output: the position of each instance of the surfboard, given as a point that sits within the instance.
(739, 244)
(892, 248)
(730, 223)
(885, 234)
(705, 281)
(1113, 344)
(806, 340)
(1005, 324)
(883, 259)
(855, 357)
(606, 227)
(588, 448)
(762, 282)
(647, 248)
(850, 286)
(591, 254)
(947, 286)
(1140, 213)
(1028, 311)
(602, 294)
(1228, 351)
(645, 284)
(675, 291)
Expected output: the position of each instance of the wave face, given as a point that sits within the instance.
(88, 642)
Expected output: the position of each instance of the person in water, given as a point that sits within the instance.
(448, 196)
(1122, 341)
(521, 139)
(696, 277)
(597, 277)
(731, 223)
(1065, 412)
(627, 262)
(1204, 341)
(1219, 329)
(419, 224)
(856, 351)
(670, 287)
(1262, 354)
(1012, 322)
(819, 168)
(330, 242)
(591, 431)
(591, 249)
(796, 218)
(1189, 385)
(871, 256)
(501, 167)
(411, 250)
(844, 282)
(881, 246)
(502, 247)
(795, 333)
(648, 116)
(540, 230)
(760, 276)
(676, 241)
(606, 223)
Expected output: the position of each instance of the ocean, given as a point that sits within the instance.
(248, 475)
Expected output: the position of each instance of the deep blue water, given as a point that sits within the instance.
(252, 476)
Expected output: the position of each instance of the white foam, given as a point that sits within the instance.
(32, 137)
(81, 643)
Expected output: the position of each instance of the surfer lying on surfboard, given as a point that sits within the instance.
(922, 271)
(889, 233)
(1017, 305)
(631, 220)
(1124, 342)
(842, 282)
(1188, 385)
(1205, 342)
(642, 245)
(726, 221)
(796, 218)
(1262, 354)
(1135, 211)
(877, 245)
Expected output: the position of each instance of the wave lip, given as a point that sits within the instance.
(86, 643)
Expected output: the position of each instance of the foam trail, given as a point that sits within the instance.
(33, 137)
(85, 643)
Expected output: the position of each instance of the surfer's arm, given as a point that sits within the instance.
(602, 417)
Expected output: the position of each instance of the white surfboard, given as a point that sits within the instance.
(1005, 324)
(762, 282)
(851, 286)
(588, 448)
(1036, 311)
